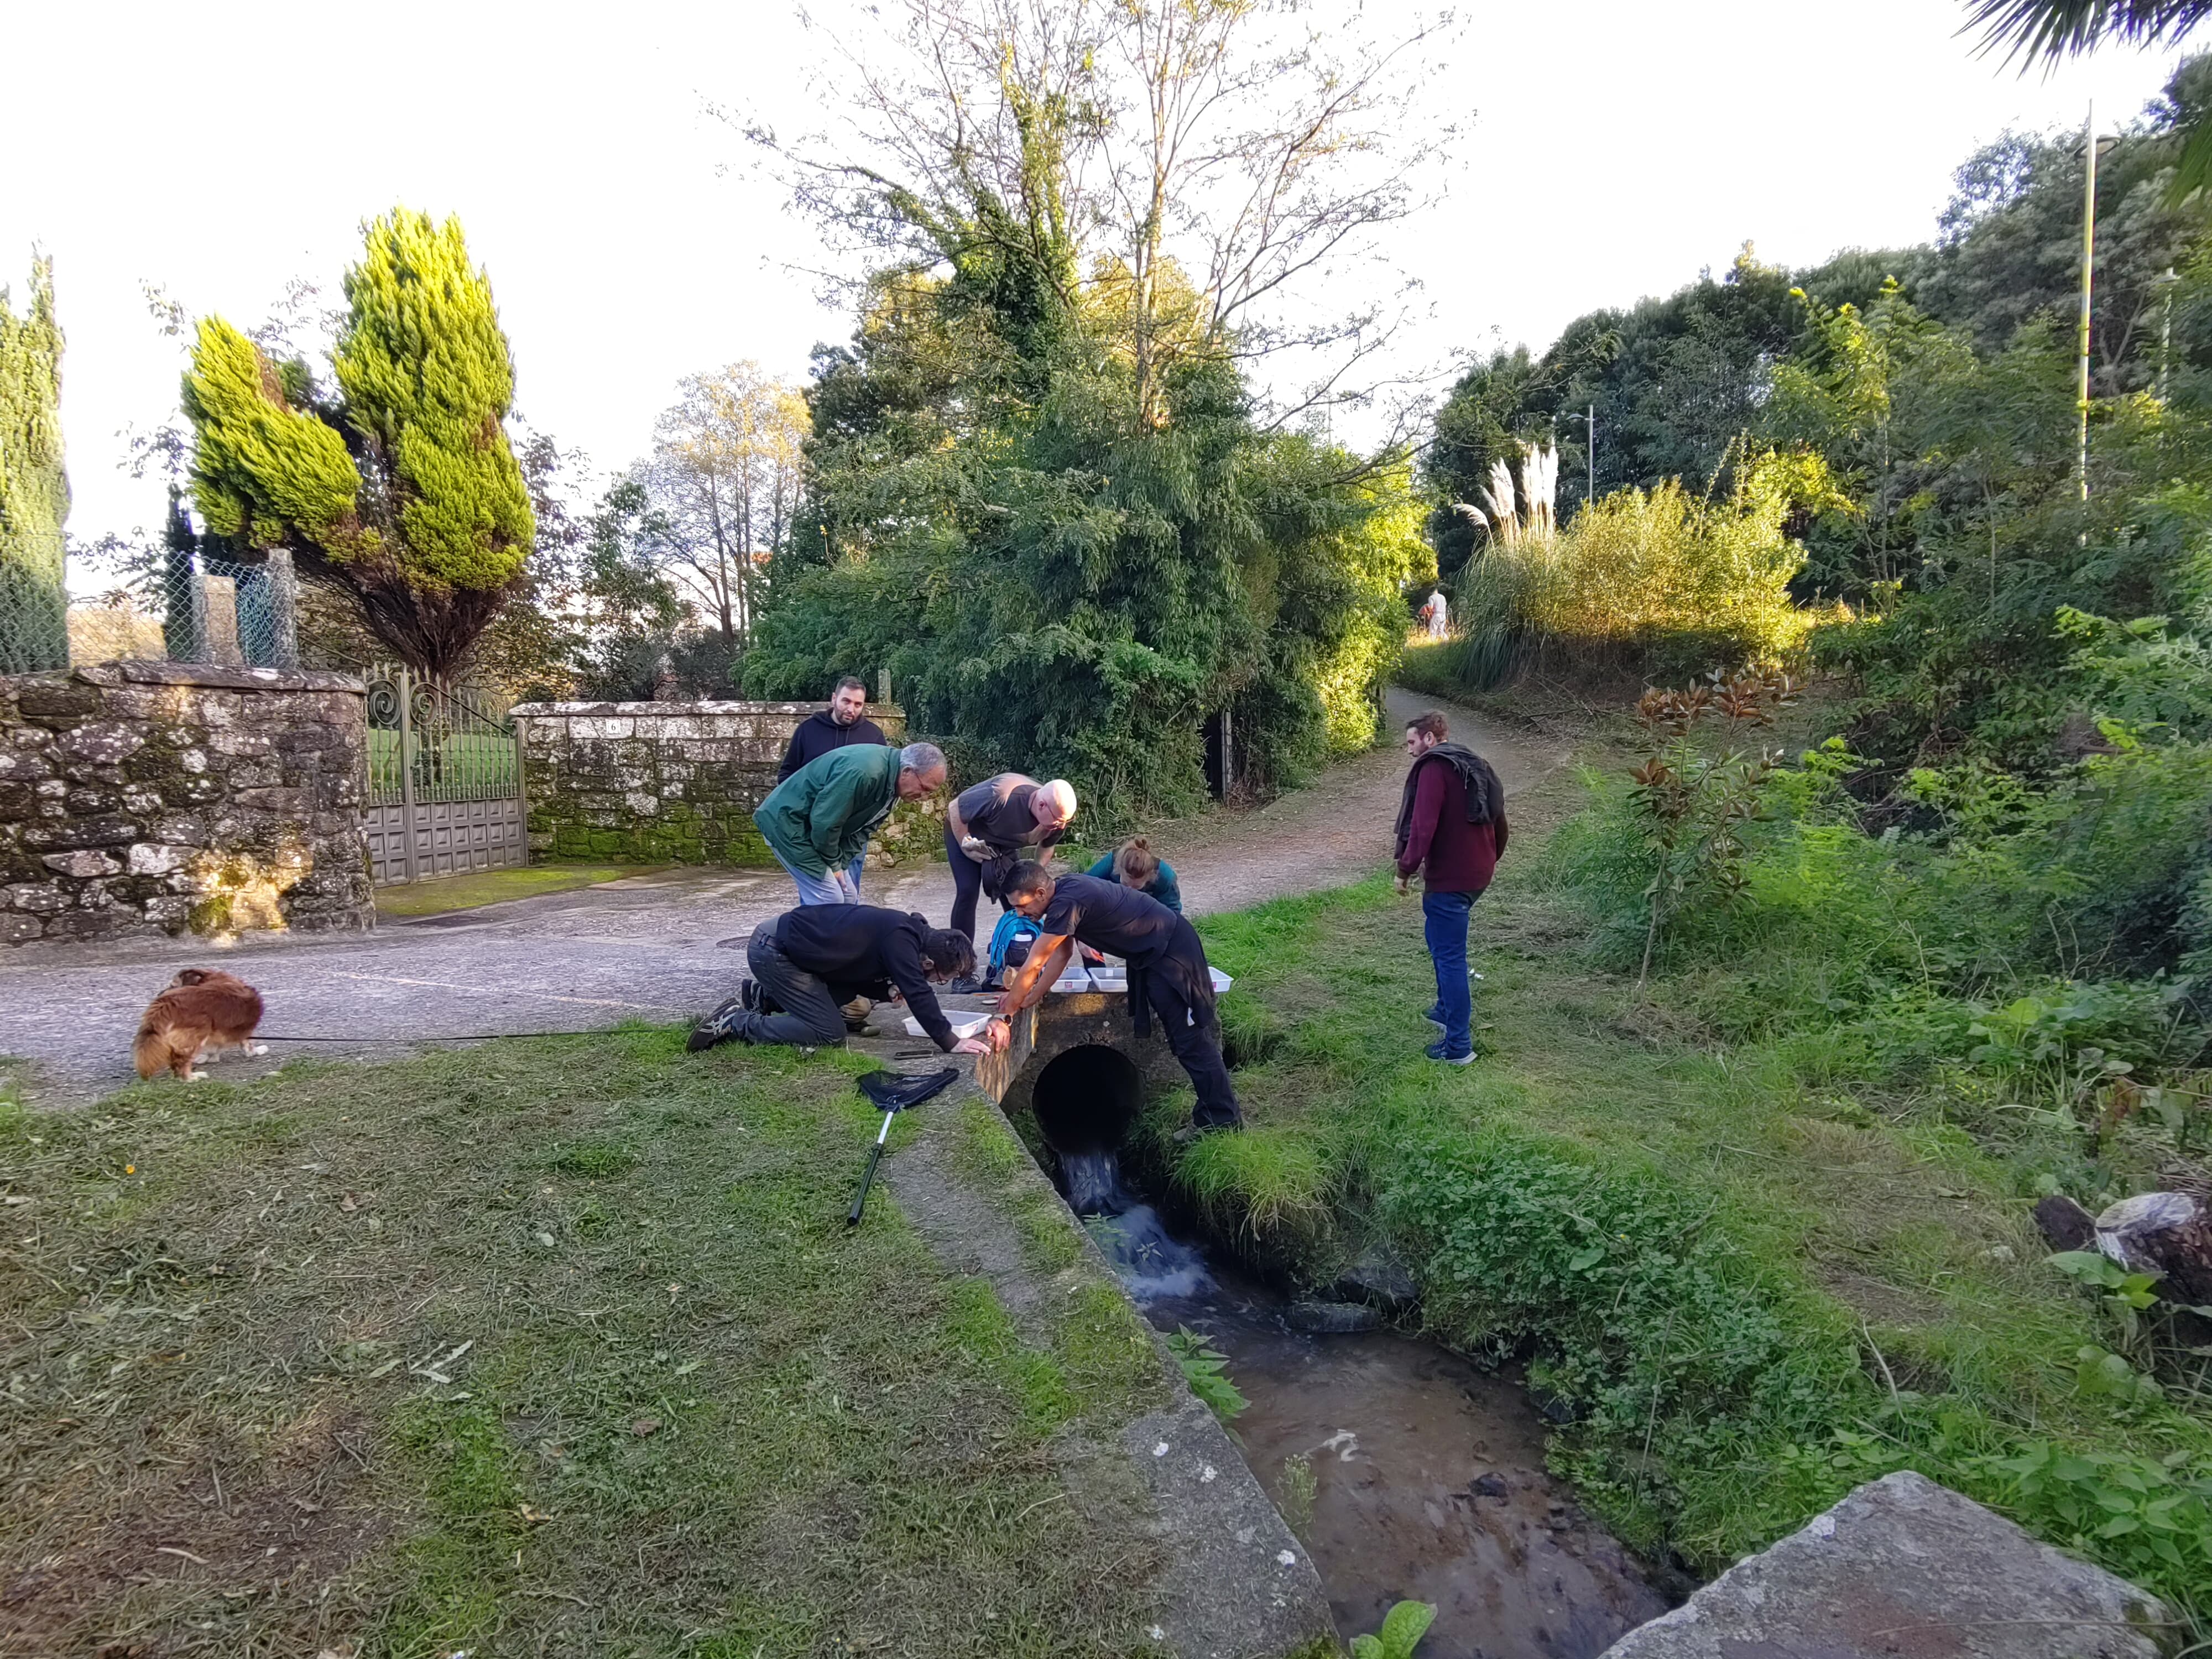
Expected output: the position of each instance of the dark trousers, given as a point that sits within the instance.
(808, 1016)
(1193, 1034)
(1444, 925)
(972, 881)
(967, 886)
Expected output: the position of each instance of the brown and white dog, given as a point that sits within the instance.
(203, 1010)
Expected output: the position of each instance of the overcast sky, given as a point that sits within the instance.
(1615, 147)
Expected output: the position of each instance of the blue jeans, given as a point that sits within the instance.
(821, 889)
(1444, 925)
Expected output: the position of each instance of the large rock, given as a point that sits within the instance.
(1905, 1569)
(2166, 1234)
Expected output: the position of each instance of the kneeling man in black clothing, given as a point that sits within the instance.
(809, 961)
(1168, 972)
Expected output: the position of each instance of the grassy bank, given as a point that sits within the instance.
(551, 1347)
(1751, 1290)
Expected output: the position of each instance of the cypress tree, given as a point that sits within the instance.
(179, 544)
(34, 494)
(403, 487)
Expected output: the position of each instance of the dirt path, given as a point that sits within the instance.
(660, 947)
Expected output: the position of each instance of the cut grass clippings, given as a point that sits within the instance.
(561, 1348)
(1751, 1295)
(450, 893)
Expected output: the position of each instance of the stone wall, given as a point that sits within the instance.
(148, 798)
(676, 782)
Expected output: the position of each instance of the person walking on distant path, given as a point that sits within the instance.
(808, 961)
(986, 828)
(1133, 864)
(1437, 615)
(845, 720)
(1168, 974)
(1451, 828)
(817, 821)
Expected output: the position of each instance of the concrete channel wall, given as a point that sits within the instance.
(1236, 1583)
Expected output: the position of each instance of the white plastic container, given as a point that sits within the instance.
(963, 1025)
(1221, 981)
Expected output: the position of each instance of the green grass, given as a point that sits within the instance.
(693, 1413)
(449, 893)
(1755, 1293)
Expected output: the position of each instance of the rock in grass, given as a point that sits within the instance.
(1331, 1318)
(2169, 1234)
(2064, 1223)
(1903, 1566)
(1377, 1277)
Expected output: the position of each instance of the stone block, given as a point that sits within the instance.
(83, 865)
(103, 743)
(16, 929)
(39, 898)
(1903, 1566)
(68, 833)
(47, 699)
(158, 859)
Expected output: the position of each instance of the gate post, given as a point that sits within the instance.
(521, 788)
(283, 610)
(407, 765)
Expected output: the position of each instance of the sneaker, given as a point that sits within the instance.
(1437, 1051)
(965, 985)
(752, 996)
(1196, 1132)
(856, 1013)
(716, 1027)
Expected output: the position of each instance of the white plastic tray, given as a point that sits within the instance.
(963, 1025)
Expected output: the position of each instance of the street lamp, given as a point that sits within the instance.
(1590, 432)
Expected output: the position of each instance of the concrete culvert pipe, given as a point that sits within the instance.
(1086, 1099)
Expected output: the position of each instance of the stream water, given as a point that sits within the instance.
(1427, 1474)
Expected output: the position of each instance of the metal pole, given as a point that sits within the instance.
(2089, 266)
(407, 765)
(2166, 331)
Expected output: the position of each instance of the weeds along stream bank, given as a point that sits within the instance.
(1761, 1227)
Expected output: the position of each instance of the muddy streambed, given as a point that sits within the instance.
(1409, 1473)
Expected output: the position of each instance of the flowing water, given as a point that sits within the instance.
(1409, 1473)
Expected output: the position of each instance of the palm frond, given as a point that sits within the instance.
(2047, 30)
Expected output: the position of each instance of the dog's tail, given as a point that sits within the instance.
(150, 1053)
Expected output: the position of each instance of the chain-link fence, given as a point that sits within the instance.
(185, 607)
(33, 629)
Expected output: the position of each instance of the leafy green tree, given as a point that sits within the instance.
(400, 483)
(34, 494)
(1053, 518)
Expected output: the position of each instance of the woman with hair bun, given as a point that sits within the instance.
(1133, 864)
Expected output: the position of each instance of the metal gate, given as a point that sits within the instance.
(445, 780)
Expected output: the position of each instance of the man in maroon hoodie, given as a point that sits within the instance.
(1451, 828)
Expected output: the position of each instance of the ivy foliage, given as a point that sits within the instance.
(400, 483)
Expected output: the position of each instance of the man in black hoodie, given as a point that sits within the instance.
(840, 723)
(808, 961)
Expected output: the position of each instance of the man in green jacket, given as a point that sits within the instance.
(817, 821)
